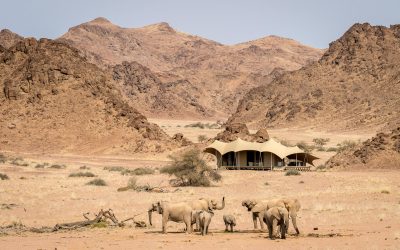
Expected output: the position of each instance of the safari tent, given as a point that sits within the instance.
(240, 154)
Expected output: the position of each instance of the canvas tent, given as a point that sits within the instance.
(266, 155)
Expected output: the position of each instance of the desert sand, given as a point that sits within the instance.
(340, 209)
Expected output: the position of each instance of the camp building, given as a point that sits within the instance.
(240, 154)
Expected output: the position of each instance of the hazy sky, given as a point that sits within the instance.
(311, 22)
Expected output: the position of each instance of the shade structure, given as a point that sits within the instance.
(271, 146)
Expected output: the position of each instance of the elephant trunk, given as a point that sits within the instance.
(150, 212)
(222, 204)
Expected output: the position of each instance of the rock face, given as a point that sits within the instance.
(9, 38)
(208, 76)
(382, 151)
(356, 84)
(239, 130)
(54, 100)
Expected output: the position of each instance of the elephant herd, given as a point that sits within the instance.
(274, 213)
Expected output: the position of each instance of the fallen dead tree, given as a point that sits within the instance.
(103, 216)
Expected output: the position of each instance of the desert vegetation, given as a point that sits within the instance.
(292, 172)
(97, 182)
(82, 174)
(190, 169)
(203, 125)
(4, 177)
(127, 171)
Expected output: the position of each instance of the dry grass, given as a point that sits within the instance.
(82, 174)
(4, 177)
(97, 182)
(292, 172)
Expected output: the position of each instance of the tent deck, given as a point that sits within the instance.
(265, 168)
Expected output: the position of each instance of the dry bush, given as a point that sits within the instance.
(41, 165)
(331, 149)
(320, 142)
(345, 145)
(3, 158)
(127, 171)
(58, 166)
(385, 191)
(4, 177)
(83, 167)
(305, 146)
(203, 125)
(191, 170)
(82, 174)
(202, 138)
(292, 172)
(19, 162)
(97, 182)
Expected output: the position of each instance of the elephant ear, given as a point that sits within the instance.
(258, 208)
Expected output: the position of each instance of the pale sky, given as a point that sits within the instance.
(312, 22)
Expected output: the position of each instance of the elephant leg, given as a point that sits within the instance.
(164, 224)
(188, 223)
(283, 230)
(231, 228)
(274, 227)
(197, 224)
(255, 220)
(269, 225)
(260, 218)
(226, 227)
(294, 222)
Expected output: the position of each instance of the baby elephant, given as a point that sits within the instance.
(229, 220)
(205, 220)
(276, 216)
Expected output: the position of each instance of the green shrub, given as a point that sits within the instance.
(191, 170)
(82, 174)
(292, 172)
(4, 177)
(97, 182)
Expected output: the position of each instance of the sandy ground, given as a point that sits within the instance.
(340, 210)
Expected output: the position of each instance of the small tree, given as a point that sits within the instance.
(191, 170)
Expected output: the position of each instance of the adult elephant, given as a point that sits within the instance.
(176, 212)
(200, 204)
(259, 207)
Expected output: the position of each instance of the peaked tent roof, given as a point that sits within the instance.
(269, 146)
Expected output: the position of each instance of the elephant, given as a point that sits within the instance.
(205, 220)
(229, 220)
(274, 217)
(259, 207)
(177, 212)
(205, 205)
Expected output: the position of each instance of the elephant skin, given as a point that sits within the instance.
(176, 212)
(274, 217)
(205, 220)
(258, 208)
(229, 220)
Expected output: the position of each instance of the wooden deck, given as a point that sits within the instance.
(265, 168)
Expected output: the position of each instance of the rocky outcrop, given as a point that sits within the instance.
(8, 38)
(59, 102)
(358, 74)
(239, 130)
(201, 78)
(381, 151)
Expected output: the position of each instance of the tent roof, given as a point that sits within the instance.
(269, 146)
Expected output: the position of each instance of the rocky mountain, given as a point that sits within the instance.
(55, 101)
(8, 38)
(214, 76)
(356, 84)
(381, 151)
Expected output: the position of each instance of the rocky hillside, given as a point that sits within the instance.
(382, 151)
(54, 100)
(356, 84)
(8, 38)
(215, 76)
